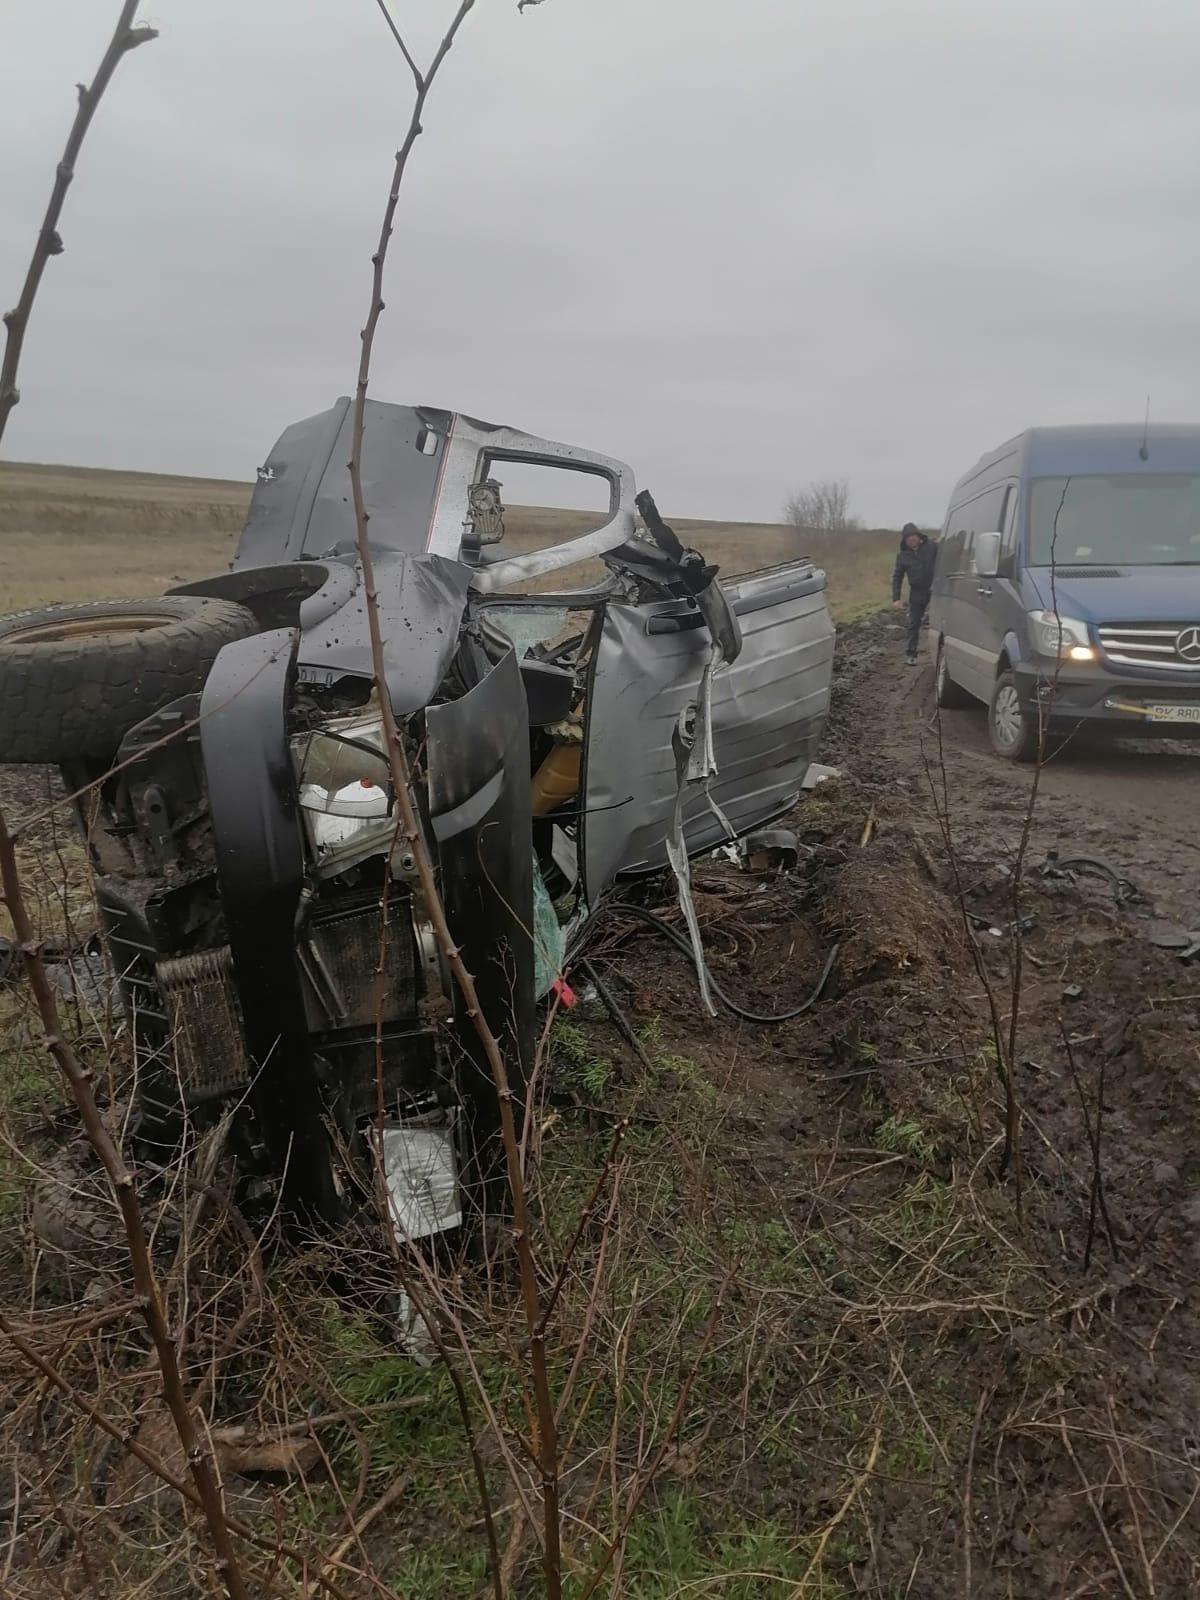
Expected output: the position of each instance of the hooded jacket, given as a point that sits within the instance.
(915, 565)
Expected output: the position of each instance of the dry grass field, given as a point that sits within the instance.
(72, 533)
(78, 533)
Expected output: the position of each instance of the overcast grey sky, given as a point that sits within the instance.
(739, 245)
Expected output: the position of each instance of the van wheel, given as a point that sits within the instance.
(949, 694)
(1013, 732)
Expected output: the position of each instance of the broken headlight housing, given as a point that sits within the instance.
(344, 791)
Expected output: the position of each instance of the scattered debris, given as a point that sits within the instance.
(1185, 942)
(80, 974)
(819, 774)
(242, 1451)
(414, 1337)
(80, 1250)
(1023, 924)
(1072, 867)
(564, 993)
(250, 1452)
(619, 1020)
(771, 849)
(85, 979)
(421, 1170)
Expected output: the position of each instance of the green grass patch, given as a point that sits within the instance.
(902, 1136)
(678, 1548)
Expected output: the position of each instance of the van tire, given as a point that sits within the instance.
(75, 678)
(1011, 729)
(951, 696)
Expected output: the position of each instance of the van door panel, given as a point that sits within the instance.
(957, 609)
(976, 645)
(991, 608)
(769, 708)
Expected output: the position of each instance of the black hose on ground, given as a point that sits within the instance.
(618, 1018)
(683, 944)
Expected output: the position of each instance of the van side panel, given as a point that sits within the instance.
(972, 612)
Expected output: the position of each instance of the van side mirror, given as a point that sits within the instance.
(987, 554)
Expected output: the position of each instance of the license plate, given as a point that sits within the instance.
(1173, 713)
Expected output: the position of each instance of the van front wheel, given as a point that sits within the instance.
(1013, 732)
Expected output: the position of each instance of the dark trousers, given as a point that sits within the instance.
(918, 605)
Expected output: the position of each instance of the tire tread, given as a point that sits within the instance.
(76, 698)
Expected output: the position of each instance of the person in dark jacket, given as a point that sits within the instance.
(914, 562)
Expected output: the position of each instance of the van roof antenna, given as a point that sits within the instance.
(1144, 451)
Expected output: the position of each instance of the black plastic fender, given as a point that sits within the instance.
(260, 866)
(478, 750)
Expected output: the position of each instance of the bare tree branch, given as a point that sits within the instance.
(404, 50)
(196, 1447)
(546, 1441)
(152, 1462)
(1096, 1196)
(49, 242)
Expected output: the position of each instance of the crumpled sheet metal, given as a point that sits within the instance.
(768, 709)
(422, 600)
(302, 504)
(695, 765)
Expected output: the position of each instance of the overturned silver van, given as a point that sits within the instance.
(564, 727)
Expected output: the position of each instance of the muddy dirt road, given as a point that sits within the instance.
(1135, 805)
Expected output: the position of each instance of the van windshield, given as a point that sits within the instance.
(1131, 520)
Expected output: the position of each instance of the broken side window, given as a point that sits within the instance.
(517, 507)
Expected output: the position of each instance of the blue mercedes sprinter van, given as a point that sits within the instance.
(1067, 587)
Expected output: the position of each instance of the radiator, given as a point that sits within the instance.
(205, 1023)
(340, 956)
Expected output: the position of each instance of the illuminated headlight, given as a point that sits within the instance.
(344, 792)
(1061, 638)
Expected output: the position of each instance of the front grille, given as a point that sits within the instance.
(1169, 646)
(340, 958)
(205, 1023)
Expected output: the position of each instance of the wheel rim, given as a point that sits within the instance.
(53, 632)
(1007, 717)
